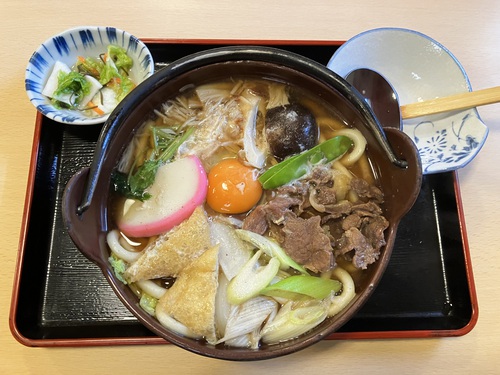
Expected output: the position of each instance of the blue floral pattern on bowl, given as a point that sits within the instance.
(447, 143)
(419, 68)
(65, 47)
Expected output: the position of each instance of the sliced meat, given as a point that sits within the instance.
(365, 253)
(256, 221)
(356, 247)
(278, 207)
(307, 243)
(273, 212)
(325, 195)
(362, 241)
(367, 209)
(320, 175)
(295, 214)
(364, 190)
(338, 210)
(351, 221)
(374, 231)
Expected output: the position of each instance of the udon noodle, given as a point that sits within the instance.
(237, 263)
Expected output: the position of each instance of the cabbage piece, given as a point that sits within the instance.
(271, 248)
(120, 57)
(119, 267)
(148, 303)
(73, 85)
(53, 82)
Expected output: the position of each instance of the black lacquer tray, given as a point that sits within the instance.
(61, 299)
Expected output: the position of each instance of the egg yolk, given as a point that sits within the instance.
(233, 188)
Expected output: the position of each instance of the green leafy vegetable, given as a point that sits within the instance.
(119, 266)
(144, 177)
(300, 286)
(148, 303)
(135, 184)
(120, 57)
(122, 87)
(298, 165)
(110, 69)
(74, 84)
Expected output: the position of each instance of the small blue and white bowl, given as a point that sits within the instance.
(66, 47)
(419, 68)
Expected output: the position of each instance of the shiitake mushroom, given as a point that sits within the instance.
(290, 129)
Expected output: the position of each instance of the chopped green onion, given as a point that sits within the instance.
(299, 286)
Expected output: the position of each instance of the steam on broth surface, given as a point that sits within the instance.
(245, 211)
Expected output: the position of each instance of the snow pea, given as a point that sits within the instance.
(298, 165)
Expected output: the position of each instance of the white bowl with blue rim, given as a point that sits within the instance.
(66, 47)
(419, 68)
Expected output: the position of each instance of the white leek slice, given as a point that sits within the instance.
(233, 251)
(222, 306)
(251, 279)
(271, 248)
(53, 82)
(293, 320)
(248, 317)
(243, 341)
(255, 156)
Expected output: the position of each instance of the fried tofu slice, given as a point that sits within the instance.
(191, 300)
(174, 250)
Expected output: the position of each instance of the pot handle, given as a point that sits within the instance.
(87, 229)
(408, 180)
(103, 146)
